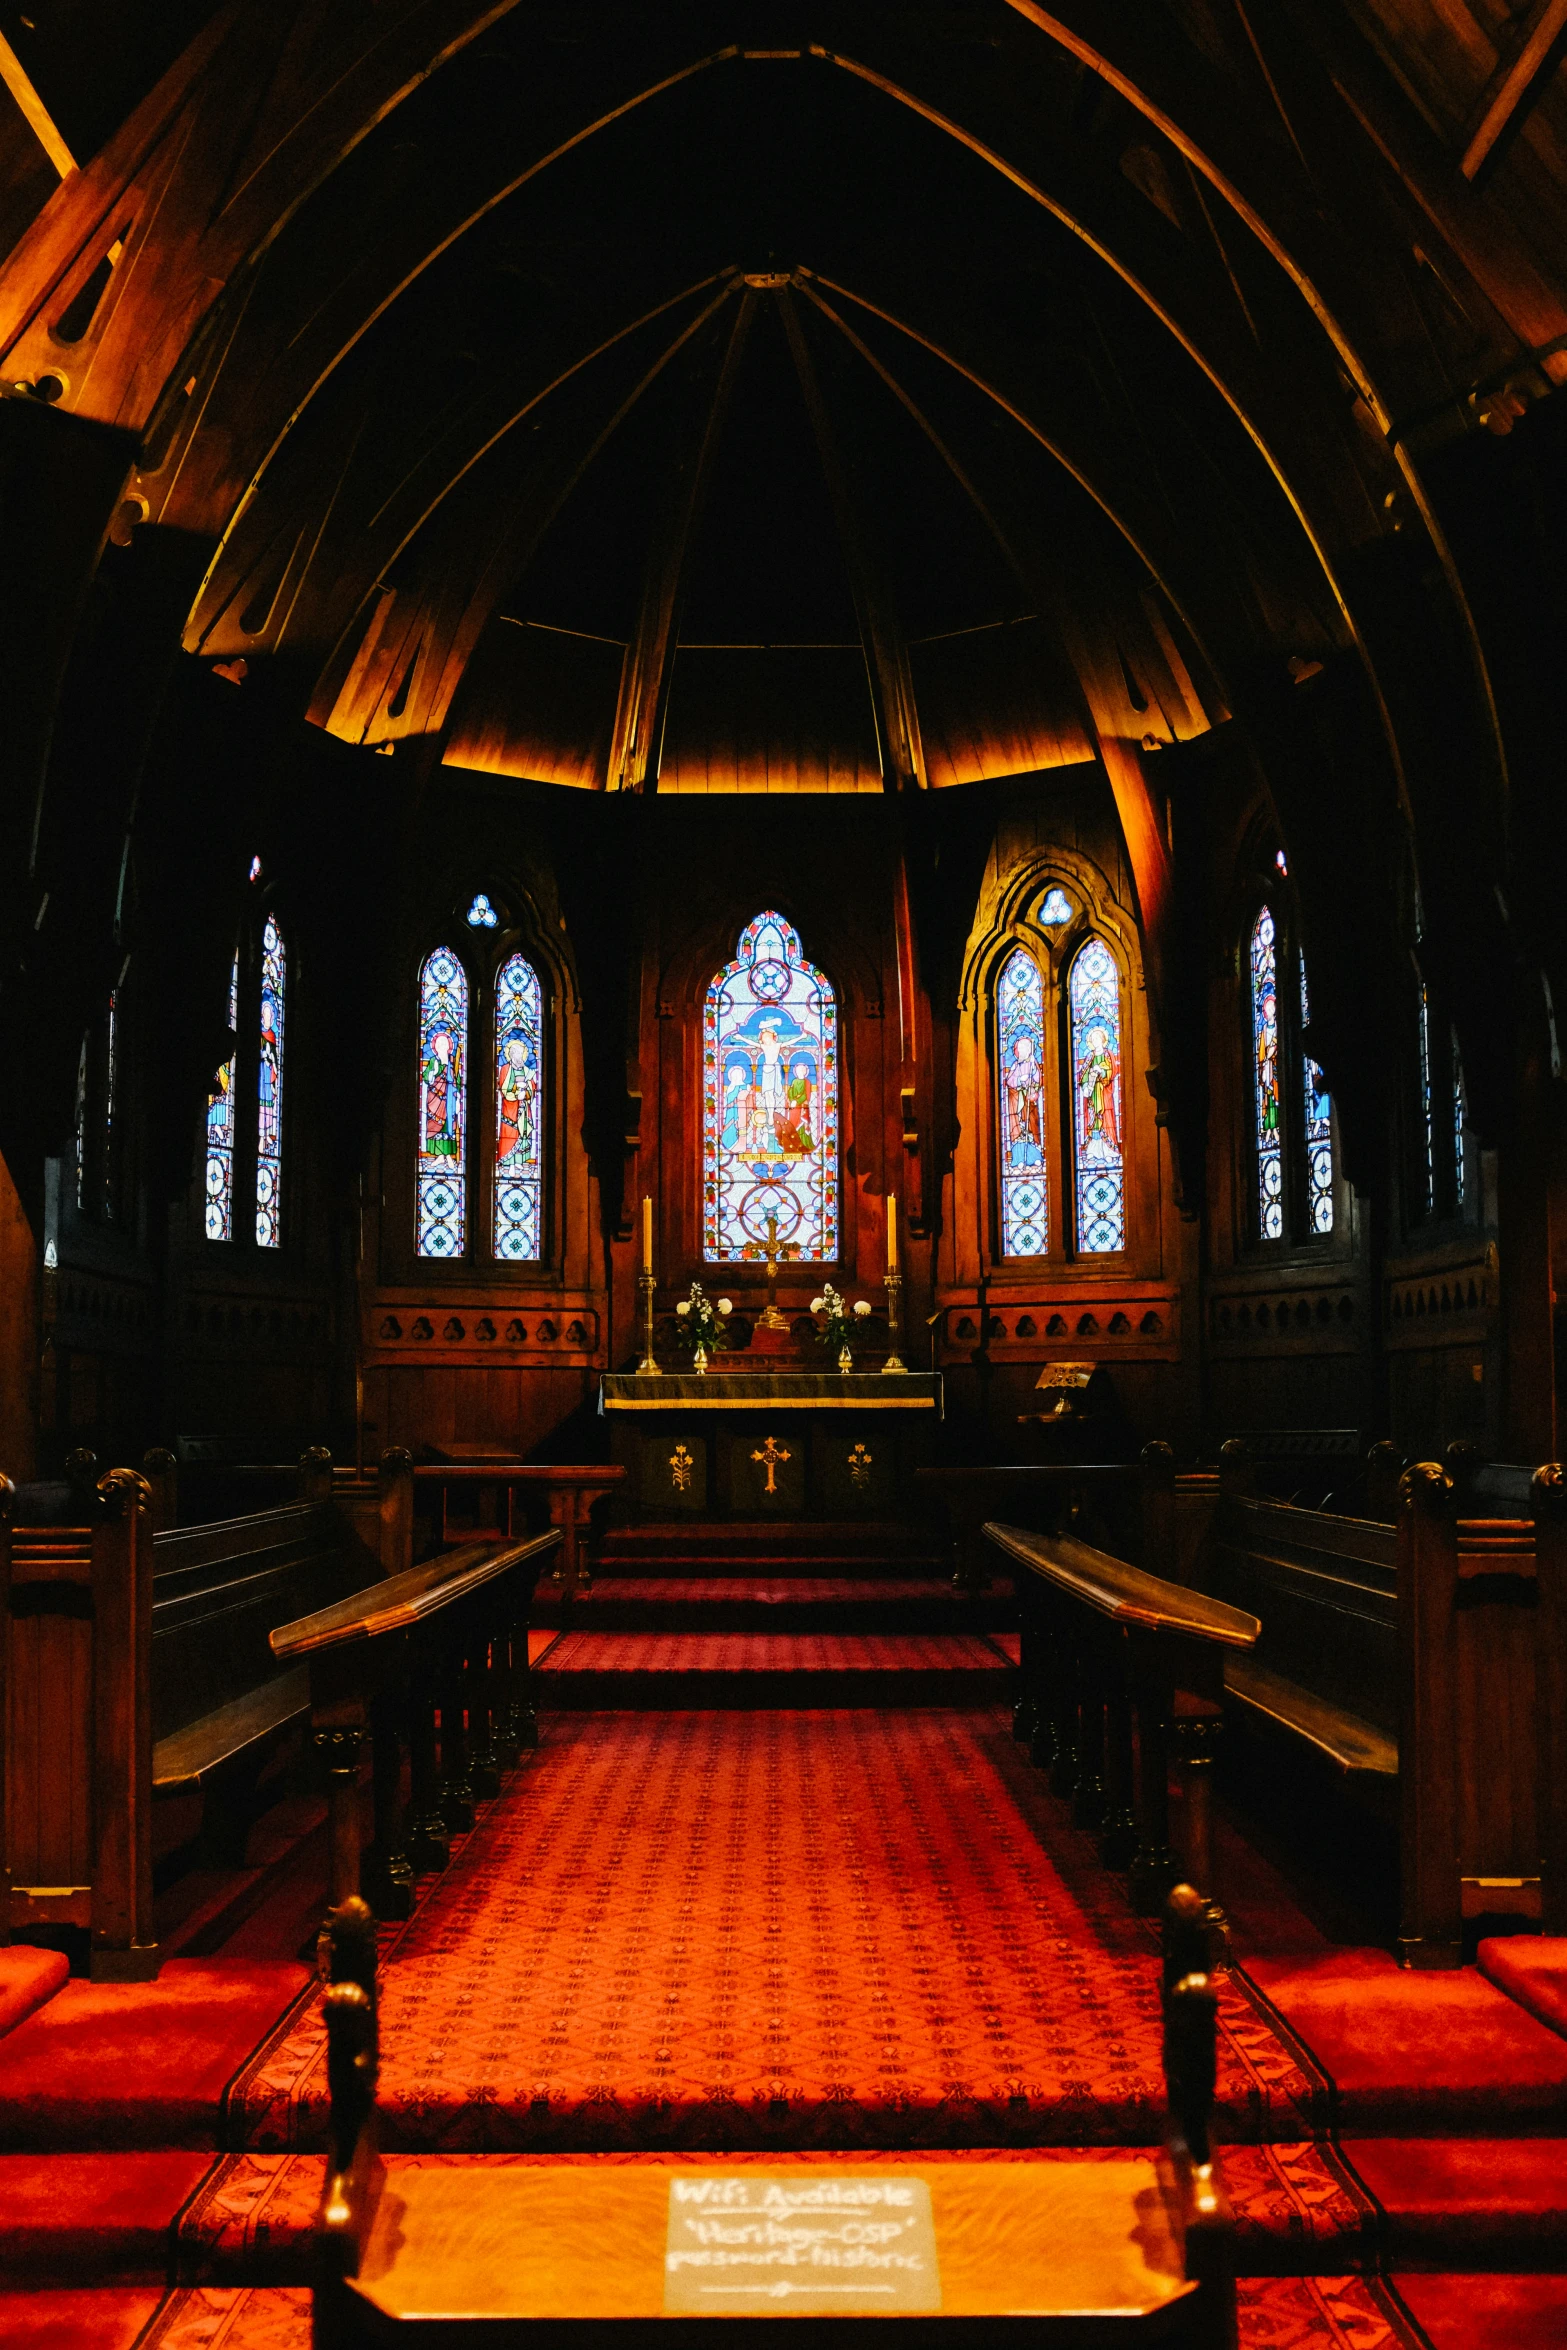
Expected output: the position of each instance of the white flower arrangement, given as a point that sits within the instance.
(838, 1318)
(699, 1322)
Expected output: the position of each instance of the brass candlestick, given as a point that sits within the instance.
(893, 1284)
(647, 1368)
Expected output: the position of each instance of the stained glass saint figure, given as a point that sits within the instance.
(1265, 1071)
(1460, 1121)
(519, 1045)
(1427, 1105)
(1020, 1039)
(443, 1106)
(220, 1133)
(269, 1090)
(1094, 993)
(769, 1101)
(1319, 1130)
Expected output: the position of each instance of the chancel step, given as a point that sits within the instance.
(600, 1670)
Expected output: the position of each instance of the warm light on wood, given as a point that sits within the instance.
(892, 1232)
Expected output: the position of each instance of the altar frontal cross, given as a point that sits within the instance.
(772, 1457)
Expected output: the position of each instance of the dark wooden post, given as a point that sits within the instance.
(1237, 1477)
(161, 1471)
(1118, 1836)
(1431, 1926)
(1158, 1466)
(1384, 1467)
(1196, 1727)
(315, 1474)
(429, 1843)
(1154, 1868)
(1065, 1663)
(387, 1864)
(336, 1746)
(396, 1485)
(1088, 1794)
(457, 1788)
(123, 1948)
(484, 1766)
(1548, 1494)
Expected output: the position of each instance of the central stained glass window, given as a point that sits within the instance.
(769, 1101)
(1265, 1076)
(443, 1106)
(1095, 994)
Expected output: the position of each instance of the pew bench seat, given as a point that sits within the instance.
(1269, 1702)
(234, 1737)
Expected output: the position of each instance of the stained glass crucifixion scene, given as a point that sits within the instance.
(770, 1102)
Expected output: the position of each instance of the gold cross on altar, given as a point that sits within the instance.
(772, 1457)
(775, 1251)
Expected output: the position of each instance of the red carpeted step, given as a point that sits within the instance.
(1466, 2312)
(1438, 2054)
(111, 2318)
(28, 1977)
(610, 1669)
(722, 1602)
(80, 2218)
(1531, 1968)
(140, 2065)
(1320, 2313)
(750, 1547)
(1487, 2202)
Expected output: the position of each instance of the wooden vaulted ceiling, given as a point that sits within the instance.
(832, 394)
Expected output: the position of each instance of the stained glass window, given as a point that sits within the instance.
(1460, 1120)
(1094, 994)
(111, 1089)
(1055, 909)
(769, 1101)
(1319, 1130)
(481, 914)
(1427, 1106)
(220, 1133)
(269, 1089)
(519, 1100)
(81, 1128)
(443, 1106)
(1020, 1062)
(1265, 1063)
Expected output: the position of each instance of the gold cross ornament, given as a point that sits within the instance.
(772, 1457)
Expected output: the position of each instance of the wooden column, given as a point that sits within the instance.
(123, 1945)
(1549, 1497)
(1431, 1923)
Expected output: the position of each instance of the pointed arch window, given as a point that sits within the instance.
(220, 1133)
(519, 1066)
(1265, 1076)
(1094, 994)
(1317, 1109)
(770, 1101)
(269, 1087)
(1020, 1068)
(442, 1149)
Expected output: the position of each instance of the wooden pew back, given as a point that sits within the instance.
(75, 1679)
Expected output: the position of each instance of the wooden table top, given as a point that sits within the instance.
(406, 1599)
(1071, 2241)
(1125, 1593)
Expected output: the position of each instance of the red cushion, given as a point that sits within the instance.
(105, 2320)
(27, 1978)
(1488, 2312)
(1531, 1968)
(139, 2065)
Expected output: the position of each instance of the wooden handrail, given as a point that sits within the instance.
(1126, 1594)
(409, 1598)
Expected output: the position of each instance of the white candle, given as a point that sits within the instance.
(647, 1232)
(892, 1232)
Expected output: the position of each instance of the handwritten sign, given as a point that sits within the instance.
(758, 2244)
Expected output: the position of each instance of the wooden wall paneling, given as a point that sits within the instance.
(1497, 1723)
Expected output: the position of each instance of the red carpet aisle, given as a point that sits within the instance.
(779, 1930)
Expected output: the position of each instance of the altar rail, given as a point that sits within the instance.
(434, 1659)
(1118, 1664)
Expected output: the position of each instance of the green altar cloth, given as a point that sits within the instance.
(790, 1444)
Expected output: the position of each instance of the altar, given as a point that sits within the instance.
(770, 1444)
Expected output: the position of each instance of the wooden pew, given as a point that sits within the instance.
(1117, 1665)
(76, 1681)
(221, 1709)
(449, 1639)
(1063, 2253)
(135, 1669)
(1422, 1663)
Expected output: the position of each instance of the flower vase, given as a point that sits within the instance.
(699, 1360)
(845, 1360)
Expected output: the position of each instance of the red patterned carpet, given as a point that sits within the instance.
(783, 1930)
